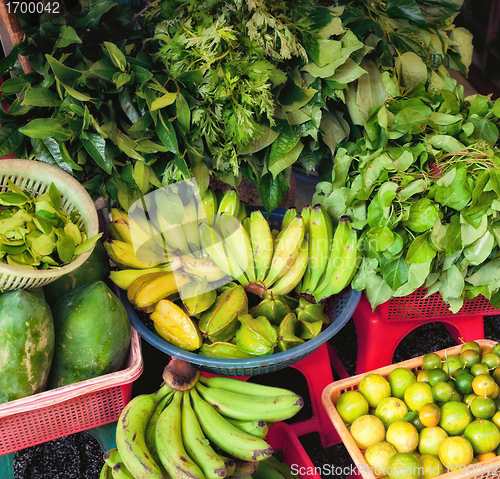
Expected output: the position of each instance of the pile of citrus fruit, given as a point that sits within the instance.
(442, 419)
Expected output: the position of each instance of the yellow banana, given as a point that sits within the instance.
(201, 268)
(173, 234)
(190, 224)
(286, 251)
(123, 278)
(159, 287)
(262, 244)
(120, 225)
(209, 201)
(292, 277)
(123, 255)
(138, 283)
(229, 204)
(290, 214)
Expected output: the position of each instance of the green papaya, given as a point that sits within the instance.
(26, 344)
(92, 333)
(95, 268)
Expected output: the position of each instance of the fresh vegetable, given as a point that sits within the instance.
(92, 333)
(26, 344)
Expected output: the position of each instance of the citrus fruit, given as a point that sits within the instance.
(460, 371)
(483, 408)
(496, 419)
(454, 452)
(486, 456)
(429, 414)
(451, 364)
(403, 436)
(404, 466)
(432, 466)
(399, 379)
(483, 385)
(423, 376)
(351, 405)
(430, 438)
(431, 361)
(377, 456)
(483, 435)
(367, 430)
(492, 360)
(496, 374)
(496, 392)
(471, 345)
(374, 388)
(442, 392)
(456, 395)
(470, 357)
(418, 394)
(415, 420)
(390, 410)
(455, 417)
(478, 369)
(436, 376)
(463, 383)
(495, 349)
(469, 398)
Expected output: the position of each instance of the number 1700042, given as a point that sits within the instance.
(33, 7)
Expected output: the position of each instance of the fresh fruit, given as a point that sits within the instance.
(378, 455)
(492, 360)
(430, 439)
(455, 417)
(399, 380)
(483, 435)
(455, 452)
(374, 388)
(483, 385)
(470, 357)
(442, 392)
(431, 465)
(403, 436)
(404, 466)
(451, 363)
(429, 414)
(463, 383)
(417, 395)
(26, 344)
(483, 407)
(390, 410)
(431, 361)
(437, 375)
(367, 430)
(470, 345)
(351, 405)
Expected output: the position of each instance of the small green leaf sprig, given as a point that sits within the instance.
(35, 233)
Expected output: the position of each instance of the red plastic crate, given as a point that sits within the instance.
(63, 411)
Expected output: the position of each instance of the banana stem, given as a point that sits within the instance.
(180, 375)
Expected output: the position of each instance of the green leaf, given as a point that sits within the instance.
(486, 274)
(66, 249)
(288, 159)
(381, 237)
(183, 113)
(166, 134)
(103, 68)
(453, 238)
(61, 71)
(117, 57)
(10, 139)
(76, 94)
(452, 284)
(411, 70)
(163, 101)
(42, 97)
(412, 119)
(15, 85)
(87, 245)
(55, 196)
(378, 291)
(395, 272)
(272, 191)
(406, 9)
(420, 250)
(45, 127)
(458, 193)
(67, 36)
(96, 148)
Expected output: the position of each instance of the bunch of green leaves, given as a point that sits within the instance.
(35, 233)
(422, 186)
(93, 106)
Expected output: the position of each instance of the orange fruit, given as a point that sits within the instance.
(471, 345)
(455, 417)
(374, 388)
(455, 452)
(430, 438)
(486, 456)
(429, 414)
(378, 455)
(483, 385)
(470, 357)
(351, 405)
(431, 361)
(469, 398)
(483, 408)
(483, 435)
(367, 430)
(432, 466)
(437, 375)
(390, 410)
(399, 379)
(496, 392)
(403, 436)
(404, 466)
(418, 394)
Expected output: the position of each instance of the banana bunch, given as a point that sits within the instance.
(210, 428)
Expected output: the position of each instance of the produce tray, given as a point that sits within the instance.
(332, 392)
(63, 411)
(339, 309)
(281, 436)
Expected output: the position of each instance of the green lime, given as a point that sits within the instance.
(455, 417)
(478, 369)
(399, 379)
(460, 371)
(451, 364)
(492, 360)
(496, 374)
(483, 435)
(495, 349)
(470, 345)
(436, 376)
(456, 395)
(497, 403)
(463, 383)
(431, 361)
(423, 376)
(351, 405)
(442, 391)
(483, 408)
(470, 357)
(467, 400)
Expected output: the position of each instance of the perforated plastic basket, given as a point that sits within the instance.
(59, 412)
(281, 436)
(331, 394)
(414, 306)
(36, 177)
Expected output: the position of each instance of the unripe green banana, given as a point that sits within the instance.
(289, 215)
(244, 387)
(291, 278)
(120, 471)
(257, 428)
(131, 431)
(112, 457)
(106, 472)
(169, 443)
(226, 436)
(229, 204)
(244, 469)
(197, 445)
(262, 244)
(210, 205)
(249, 408)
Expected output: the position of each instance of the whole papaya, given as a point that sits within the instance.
(26, 344)
(92, 333)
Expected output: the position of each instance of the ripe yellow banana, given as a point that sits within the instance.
(190, 224)
(262, 244)
(138, 283)
(119, 226)
(291, 278)
(286, 251)
(123, 278)
(169, 443)
(130, 435)
(123, 255)
(201, 268)
(229, 438)
(159, 287)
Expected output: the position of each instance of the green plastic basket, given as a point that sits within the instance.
(36, 177)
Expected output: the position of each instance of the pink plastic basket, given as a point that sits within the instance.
(281, 436)
(59, 412)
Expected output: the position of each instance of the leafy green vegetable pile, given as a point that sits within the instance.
(423, 187)
(36, 234)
